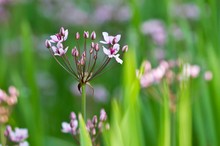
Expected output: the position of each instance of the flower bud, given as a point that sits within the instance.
(13, 91)
(62, 31)
(97, 47)
(107, 126)
(48, 44)
(103, 115)
(125, 48)
(93, 35)
(92, 45)
(84, 54)
(82, 61)
(93, 131)
(75, 52)
(91, 50)
(72, 116)
(95, 120)
(77, 35)
(86, 34)
(8, 131)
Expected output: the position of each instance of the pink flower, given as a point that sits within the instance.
(59, 37)
(66, 128)
(110, 39)
(112, 52)
(19, 135)
(58, 50)
(208, 75)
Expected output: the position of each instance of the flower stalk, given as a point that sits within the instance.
(84, 101)
(3, 139)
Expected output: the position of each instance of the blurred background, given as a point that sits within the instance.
(155, 30)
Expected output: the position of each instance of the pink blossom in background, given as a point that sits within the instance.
(188, 10)
(156, 30)
(208, 75)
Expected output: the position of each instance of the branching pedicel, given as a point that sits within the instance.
(84, 67)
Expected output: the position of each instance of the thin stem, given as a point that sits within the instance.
(84, 101)
(3, 140)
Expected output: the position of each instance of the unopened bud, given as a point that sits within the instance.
(94, 120)
(97, 47)
(93, 131)
(93, 35)
(103, 115)
(74, 124)
(84, 54)
(92, 45)
(114, 41)
(13, 91)
(82, 61)
(48, 44)
(107, 126)
(12, 100)
(95, 57)
(86, 34)
(75, 52)
(72, 116)
(62, 31)
(77, 35)
(91, 50)
(125, 48)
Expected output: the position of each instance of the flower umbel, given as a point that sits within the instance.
(84, 67)
(95, 126)
(17, 136)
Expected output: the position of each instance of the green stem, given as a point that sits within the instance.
(84, 101)
(3, 140)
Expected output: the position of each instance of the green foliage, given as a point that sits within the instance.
(137, 118)
(84, 135)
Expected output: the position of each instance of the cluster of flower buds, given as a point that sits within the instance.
(166, 70)
(6, 102)
(172, 72)
(95, 126)
(17, 137)
(85, 59)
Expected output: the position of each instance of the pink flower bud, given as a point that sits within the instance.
(82, 61)
(92, 45)
(125, 48)
(97, 47)
(91, 50)
(95, 120)
(103, 115)
(93, 35)
(86, 34)
(77, 35)
(84, 54)
(48, 44)
(62, 31)
(13, 91)
(95, 57)
(72, 116)
(75, 52)
(208, 75)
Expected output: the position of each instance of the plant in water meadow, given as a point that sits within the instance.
(8, 136)
(85, 67)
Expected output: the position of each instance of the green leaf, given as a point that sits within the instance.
(84, 135)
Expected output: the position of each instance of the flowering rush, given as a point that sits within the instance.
(84, 66)
(17, 136)
(94, 126)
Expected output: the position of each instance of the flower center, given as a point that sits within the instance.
(112, 51)
(58, 36)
